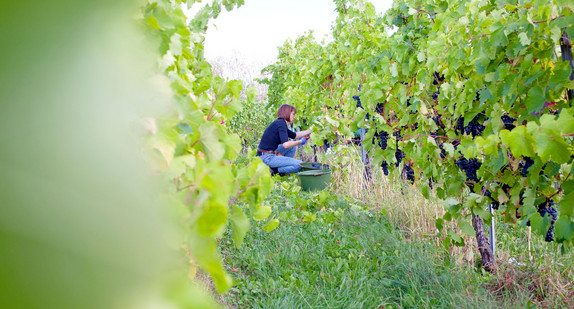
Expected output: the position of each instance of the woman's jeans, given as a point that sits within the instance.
(285, 163)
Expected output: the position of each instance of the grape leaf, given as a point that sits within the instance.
(271, 225)
(567, 205)
(262, 212)
(204, 250)
(239, 225)
(563, 229)
(565, 122)
(524, 39)
(539, 225)
(210, 142)
(465, 227)
(212, 219)
(519, 140)
(535, 99)
(561, 75)
(550, 146)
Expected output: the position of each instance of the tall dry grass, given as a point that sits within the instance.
(403, 202)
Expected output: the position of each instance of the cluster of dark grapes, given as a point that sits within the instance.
(469, 167)
(508, 122)
(525, 165)
(385, 167)
(383, 143)
(379, 108)
(358, 99)
(473, 128)
(383, 140)
(438, 121)
(408, 172)
(399, 154)
(548, 208)
(437, 78)
(552, 212)
(436, 94)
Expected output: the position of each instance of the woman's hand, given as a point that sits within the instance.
(303, 134)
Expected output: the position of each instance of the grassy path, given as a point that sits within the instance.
(345, 257)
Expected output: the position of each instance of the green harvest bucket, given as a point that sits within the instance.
(314, 166)
(314, 180)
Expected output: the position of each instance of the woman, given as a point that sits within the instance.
(275, 148)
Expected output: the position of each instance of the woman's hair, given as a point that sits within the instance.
(284, 111)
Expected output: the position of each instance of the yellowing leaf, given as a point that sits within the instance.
(262, 212)
(271, 225)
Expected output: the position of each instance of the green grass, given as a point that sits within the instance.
(345, 257)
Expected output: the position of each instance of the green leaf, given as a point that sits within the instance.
(498, 38)
(450, 202)
(568, 186)
(564, 22)
(262, 212)
(179, 165)
(184, 128)
(550, 146)
(239, 225)
(204, 250)
(565, 122)
(271, 225)
(561, 75)
(563, 229)
(213, 218)
(519, 140)
(439, 223)
(235, 86)
(394, 69)
(425, 192)
(484, 94)
(567, 205)
(535, 99)
(465, 227)
(524, 39)
(210, 142)
(456, 239)
(539, 225)
(175, 45)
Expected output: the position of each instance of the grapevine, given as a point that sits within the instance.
(193, 149)
(472, 95)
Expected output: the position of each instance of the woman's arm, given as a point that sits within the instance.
(301, 134)
(290, 144)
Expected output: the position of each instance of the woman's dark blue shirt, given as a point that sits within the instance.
(276, 134)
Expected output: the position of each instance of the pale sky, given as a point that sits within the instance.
(257, 28)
